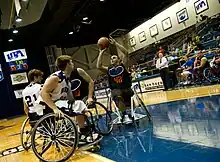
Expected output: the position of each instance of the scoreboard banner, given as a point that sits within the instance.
(19, 65)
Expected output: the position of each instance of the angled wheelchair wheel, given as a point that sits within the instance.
(101, 118)
(25, 135)
(209, 75)
(53, 139)
(141, 109)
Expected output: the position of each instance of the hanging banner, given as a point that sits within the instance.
(18, 93)
(15, 55)
(19, 78)
(17, 7)
(1, 73)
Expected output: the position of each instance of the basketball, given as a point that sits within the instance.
(103, 43)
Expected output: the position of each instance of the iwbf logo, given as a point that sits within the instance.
(15, 55)
(200, 6)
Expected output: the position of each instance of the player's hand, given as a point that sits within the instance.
(58, 113)
(89, 101)
(111, 40)
(101, 51)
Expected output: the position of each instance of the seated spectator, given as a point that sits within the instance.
(215, 64)
(201, 62)
(185, 70)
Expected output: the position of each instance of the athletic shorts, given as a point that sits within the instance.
(126, 94)
(78, 106)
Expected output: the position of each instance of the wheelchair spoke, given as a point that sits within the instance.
(46, 148)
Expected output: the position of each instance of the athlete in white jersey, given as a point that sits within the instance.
(57, 87)
(31, 92)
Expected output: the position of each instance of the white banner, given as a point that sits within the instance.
(100, 93)
(15, 55)
(151, 84)
(18, 93)
(17, 7)
(19, 78)
(200, 6)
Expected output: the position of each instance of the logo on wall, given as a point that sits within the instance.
(201, 6)
(182, 15)
(15, 55)
(132, 41)
(19, 78)
(1, 73)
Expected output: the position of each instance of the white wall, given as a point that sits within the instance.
(214, 8)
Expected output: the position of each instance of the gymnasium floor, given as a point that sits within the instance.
(185, 127)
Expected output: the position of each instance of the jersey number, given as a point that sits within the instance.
(118, 79)
(29, 100)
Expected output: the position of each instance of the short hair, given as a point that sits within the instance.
(34, 73)
(62, 61)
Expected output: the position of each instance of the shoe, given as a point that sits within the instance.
(126, 119)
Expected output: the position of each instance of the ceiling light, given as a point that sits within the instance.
(85, 18)
(70, 32)
(101, 0)
(15, 31)
(10, 40)
(18, 19)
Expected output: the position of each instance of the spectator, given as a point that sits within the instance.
(162, 65)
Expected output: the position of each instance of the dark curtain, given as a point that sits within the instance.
(9, 105)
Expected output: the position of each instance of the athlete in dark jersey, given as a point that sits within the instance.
(215, 64)
(82, 85)
(118, 77)
(200, 64)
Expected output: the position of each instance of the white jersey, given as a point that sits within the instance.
(59, 93)
(30, 95)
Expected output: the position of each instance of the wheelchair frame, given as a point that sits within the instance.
(91, 123)
(134, 115)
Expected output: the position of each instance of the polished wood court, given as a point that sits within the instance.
(10, 129)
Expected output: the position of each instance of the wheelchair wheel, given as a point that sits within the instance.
(209, 75)
(101, 118)
(53, 139)
(26, 134)
(142, 109)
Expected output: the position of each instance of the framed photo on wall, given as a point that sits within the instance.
(166, 24)
(142, 36)
(182, 15)
(153, 30)
(201, 6)
(132, 41)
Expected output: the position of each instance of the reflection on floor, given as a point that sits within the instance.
(184, 130)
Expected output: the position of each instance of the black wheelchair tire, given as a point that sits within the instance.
(23, 143)
(34, 133)
(110, 126)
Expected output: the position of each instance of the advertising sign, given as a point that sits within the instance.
(15, 55)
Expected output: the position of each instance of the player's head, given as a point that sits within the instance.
(115, 60)
(160, 55)
(200, 54)
(35, 75)
(65, 63)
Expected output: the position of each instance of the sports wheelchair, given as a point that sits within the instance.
(211, 74)
(56, 139)
(138, 109)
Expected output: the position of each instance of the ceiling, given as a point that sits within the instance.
(51, 22)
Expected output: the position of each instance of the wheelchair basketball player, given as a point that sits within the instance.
(56, 95)
(31, 93)
(118, 77)
(82, 85)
